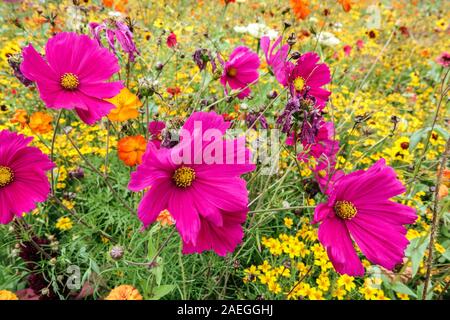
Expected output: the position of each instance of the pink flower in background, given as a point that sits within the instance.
(347, 50)
(360, 44)
(23, 178)
(359, 208)
(208, 201)
(115, 29)
(155, 129)
(309, 76)
(73, 75)
(444, 59)
(171, 40)
(276, 60)
(240, 71)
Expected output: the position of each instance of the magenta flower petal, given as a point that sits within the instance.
(154, 201)
(223, 239)
(381, 242)
(181, 207)
(24, 180)
(335, 237)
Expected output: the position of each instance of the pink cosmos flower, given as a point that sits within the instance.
(308, 76)
(240, 71)
(359, 208)
(208, 200)
(73, 75)
(278, 60)
(23, 179)
(155, 129)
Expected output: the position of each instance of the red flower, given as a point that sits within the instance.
(173, 91)
(171, 40)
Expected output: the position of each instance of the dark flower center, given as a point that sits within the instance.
(6, 176)
(69, 81)
(183, 177)
(345, 210)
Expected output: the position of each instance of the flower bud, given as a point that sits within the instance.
(116, 253)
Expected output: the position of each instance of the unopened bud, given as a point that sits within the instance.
(116, 253)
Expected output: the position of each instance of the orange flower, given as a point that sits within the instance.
(127, 105)
(346, 5)
(119, 4)
(108, 3)
(21, 117)
(131, 149)
(7, 295)
(443, 191)
(446, 177)
(124, 292)
(165, 218)
(41, 122)
(300, 8)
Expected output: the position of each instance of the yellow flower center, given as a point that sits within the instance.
(299, 83)
(183, 177)
(6, 176)
(232, 72)
(322, 173)
(69, 81)
(345, 210)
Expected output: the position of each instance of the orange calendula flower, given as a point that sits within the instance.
(124, 292)
(346, 5)
(131, 149)
(127, 105)
(300, 8)
(7, 295)
(21, 117)
(165, 218)
(41, 122)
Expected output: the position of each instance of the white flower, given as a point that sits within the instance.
(257, 30)
(115, 14)
(74, 19)
(240, 29)
(337, 26)
(327, 39)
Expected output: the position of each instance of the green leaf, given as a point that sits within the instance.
(158, 271)
(402, 288)
(416, 251)
(161, 291)
(415, 139)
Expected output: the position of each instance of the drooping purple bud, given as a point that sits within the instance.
(15, 61)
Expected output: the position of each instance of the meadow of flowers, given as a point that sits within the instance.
(224, 149)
